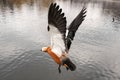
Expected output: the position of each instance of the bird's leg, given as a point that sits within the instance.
(59, 68)
(67, 68)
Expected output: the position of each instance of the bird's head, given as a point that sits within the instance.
(44, 49)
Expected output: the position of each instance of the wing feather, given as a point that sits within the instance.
(78, 20)
(56, 18)
(57, 29)
(74, 27)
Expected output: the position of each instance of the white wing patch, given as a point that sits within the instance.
(67, 32)
(57, 42)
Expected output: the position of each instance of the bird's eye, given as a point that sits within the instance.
(48, 28)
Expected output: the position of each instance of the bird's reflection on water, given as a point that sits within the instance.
(95, 49)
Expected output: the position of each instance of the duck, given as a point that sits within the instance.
(61, 36)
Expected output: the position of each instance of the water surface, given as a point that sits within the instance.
(23, 33)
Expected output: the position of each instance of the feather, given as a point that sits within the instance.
(74, 27)
(56, 18)
(57, 28)
(57, 41)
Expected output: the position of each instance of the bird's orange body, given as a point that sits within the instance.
(54, 56)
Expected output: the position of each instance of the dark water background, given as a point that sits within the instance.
(95, 50)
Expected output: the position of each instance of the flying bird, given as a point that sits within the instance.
(61, 36)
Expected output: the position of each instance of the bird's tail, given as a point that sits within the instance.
(69, 64)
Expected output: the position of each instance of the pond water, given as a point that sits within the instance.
(95, 50)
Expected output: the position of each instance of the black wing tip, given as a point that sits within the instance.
(84, 8)
(53, 4)
(78, 20)
(83, 12)
(55, 12)
(56, 17)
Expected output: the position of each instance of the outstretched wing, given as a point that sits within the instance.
(74, 27)
(57, 28)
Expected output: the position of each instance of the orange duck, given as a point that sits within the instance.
(61, 37)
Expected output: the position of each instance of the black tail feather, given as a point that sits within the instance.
(69, 63)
